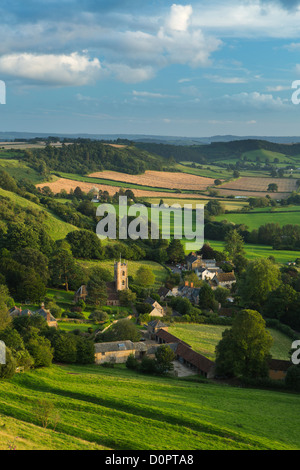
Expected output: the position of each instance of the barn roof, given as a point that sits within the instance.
(201, 362)
(168, 338)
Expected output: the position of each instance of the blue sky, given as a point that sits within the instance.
(196, 68)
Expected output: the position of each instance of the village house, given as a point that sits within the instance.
(193, 261)
(18, 312)
(164, 293)
(157, 309)
(188, 291)
(154, 326)
(51, 321)
(207, 273)
(224, 279)
(118, 351)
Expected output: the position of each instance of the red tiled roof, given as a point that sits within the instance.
(279, 364)
(168, 338)
(194, 358)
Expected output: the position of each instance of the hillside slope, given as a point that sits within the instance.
(120, 409)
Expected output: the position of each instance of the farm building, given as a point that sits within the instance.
(154, 326)
(186, 355)
(118, 351)
(278, 369)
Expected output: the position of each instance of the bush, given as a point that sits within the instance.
(292, 379)
(148, 365)
(132, 362)
(7, 370)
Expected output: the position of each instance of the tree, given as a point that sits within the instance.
(283, 304)
(144, 276)
(96, 287)
(221, 294)
(206, 297)
(244, 350)
(8, 369)
(214, 207)
(121, 331)
(175, 252)
(234, 244)
(35, 259)
(65, 271)
(65, 348)
(164, 357)
(273, 187)
(258, 280)
(85, 244)
(127, 297)
(40, 350)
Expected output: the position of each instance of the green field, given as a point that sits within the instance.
(282, 216)
(204, 339)
(260, 251)
(120, 409)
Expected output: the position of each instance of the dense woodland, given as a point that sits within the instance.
(86, 156)
(216, 150)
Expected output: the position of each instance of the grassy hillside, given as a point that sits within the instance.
(56, 228)
(119, 409)
(260, 251)
(204, 339)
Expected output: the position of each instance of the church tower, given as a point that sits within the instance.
(121, 275)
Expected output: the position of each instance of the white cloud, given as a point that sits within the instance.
(278, 88)
(179, 18)
(242, 18)
(253, 100)
(229, 80)
(128, 74)
(54, 70)
(148, 94)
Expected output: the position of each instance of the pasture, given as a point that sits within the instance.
(253, 220)
(118, 409)
(260, 251)
(204, 339)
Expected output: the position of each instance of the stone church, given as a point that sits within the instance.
(119, 283)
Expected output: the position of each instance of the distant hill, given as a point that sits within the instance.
(174, 140)
(217, 151)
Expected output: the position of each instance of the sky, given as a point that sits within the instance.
(189, 69)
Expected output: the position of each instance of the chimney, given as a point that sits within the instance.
(192, 284)
(186, 283)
